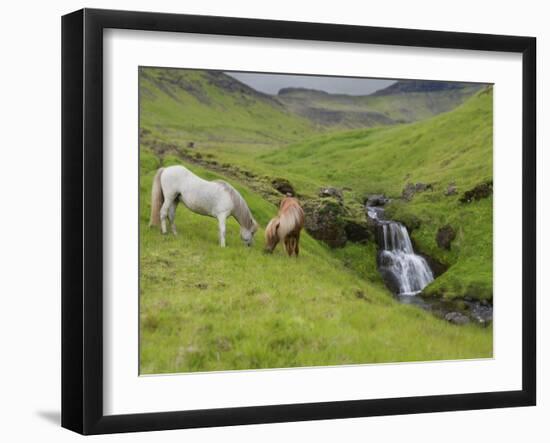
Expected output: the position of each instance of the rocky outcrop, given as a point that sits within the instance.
(324, 221)
(408, 191)
(457, 318)
(408, 86)
(438, 268)
(411, 189)
(327, 219)
(421, 187)
(482, 190)
(411, 222)
(283, 186)
(376, 200)
(331, 192)
(445, 235)
(357, 232)
(451, 190)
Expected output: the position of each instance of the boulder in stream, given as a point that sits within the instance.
(457, 318)
(376, 200)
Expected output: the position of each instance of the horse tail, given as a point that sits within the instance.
(291, 220)
(271, 236)
(157, 199)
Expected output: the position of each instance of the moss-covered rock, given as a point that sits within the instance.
(283, 186)
(357, 231)
(480, 191)
(329, 191)
(444, 237)
(324, 220)
(375, 200)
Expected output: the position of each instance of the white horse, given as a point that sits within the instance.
(216, 198)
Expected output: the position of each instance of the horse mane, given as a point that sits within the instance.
(241, 211)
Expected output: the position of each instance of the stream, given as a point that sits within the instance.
(407, 273)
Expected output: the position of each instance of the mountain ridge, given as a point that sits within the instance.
(408, 86)
(402, 102)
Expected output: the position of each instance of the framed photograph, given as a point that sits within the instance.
(270, 221)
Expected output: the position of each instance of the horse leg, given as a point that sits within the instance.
(297, 245)
(288, 245)
(292, 245)
(221, 228)
(164, 213)
(172, 216)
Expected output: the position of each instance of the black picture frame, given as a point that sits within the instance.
(82, 220)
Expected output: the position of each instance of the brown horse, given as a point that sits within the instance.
(286, 227)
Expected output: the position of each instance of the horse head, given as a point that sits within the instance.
(247, 234)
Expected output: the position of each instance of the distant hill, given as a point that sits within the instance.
(408, 86)
(180, 106)
(402, 102)
(329, 110)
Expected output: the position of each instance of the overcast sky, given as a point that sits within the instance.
(271, 83)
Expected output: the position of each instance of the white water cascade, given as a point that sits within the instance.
(409, 272)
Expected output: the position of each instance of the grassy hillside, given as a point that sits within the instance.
(232, 124)
(389, 106)
(206, 308)
(218, 113)
(454, 147)
(178, 106)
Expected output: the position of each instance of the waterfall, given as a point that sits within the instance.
(408, 272)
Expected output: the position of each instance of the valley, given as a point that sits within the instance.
(423, 149)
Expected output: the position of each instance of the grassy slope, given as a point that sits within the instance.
(207, 308)
(456, 146)
(179, 106)
(452, 147)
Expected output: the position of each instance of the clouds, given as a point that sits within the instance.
(271, 83)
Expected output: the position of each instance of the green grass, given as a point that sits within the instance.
(179, 106)
(252, 132)
(454, 147)
(205, 308)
